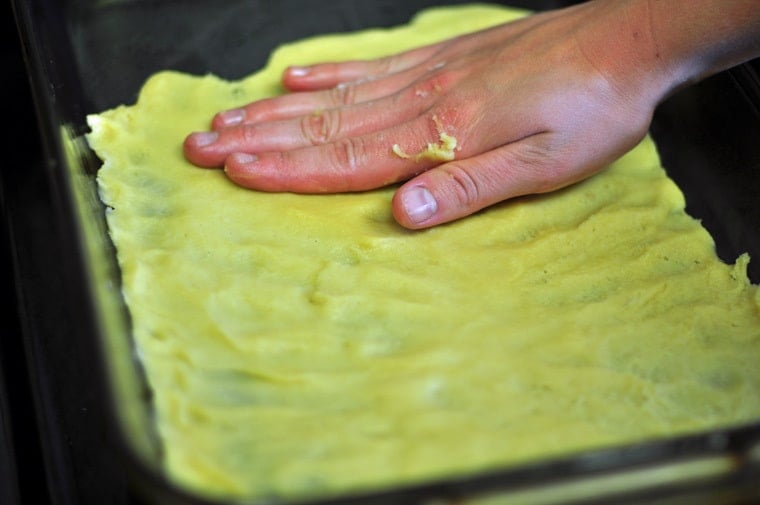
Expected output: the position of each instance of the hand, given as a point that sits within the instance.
(526, 107)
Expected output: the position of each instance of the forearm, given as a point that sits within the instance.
(702, 37)
(662, 45)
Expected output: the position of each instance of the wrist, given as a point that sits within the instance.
(693, 39)
(621, 41)
(653, 47)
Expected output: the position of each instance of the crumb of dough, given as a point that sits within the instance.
(443, 150)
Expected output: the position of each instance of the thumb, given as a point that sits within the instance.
(459, 188)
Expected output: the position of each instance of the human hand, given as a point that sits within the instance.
(526, 107)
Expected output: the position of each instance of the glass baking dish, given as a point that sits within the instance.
(87, 56)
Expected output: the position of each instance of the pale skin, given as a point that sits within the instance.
(534, 105)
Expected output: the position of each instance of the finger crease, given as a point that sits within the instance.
(320, 126)
(347, 153)
(343, 94)
(465, 186)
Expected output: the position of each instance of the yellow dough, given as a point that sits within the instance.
(307, 345)
(441, 151)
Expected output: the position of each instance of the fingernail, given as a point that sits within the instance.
(202, 139)
(232, 117)
(243, 158)
(298, 71)
(418, 203)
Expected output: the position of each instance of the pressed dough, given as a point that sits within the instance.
(301, 345)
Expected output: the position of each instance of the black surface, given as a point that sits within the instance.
(709, 143)
(52, 448)
(119, 46)
(20, 457)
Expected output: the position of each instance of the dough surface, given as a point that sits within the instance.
(301, 345)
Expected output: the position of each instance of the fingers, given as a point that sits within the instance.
(462, 187)
(315, 125)
(328, 75)
(211, 149)
(351, 163)
(344, 93)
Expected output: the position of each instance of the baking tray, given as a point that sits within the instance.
(87, 56)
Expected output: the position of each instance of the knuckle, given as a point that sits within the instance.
(248, 133)
(386, 65)
(321, 127)
(541, 165)
(431, 86)
(245, 137)
(343, 94)
(465, 188)
(348, 153)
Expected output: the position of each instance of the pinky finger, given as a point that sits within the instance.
(328, 75)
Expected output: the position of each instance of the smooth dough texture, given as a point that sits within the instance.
(301, 345)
